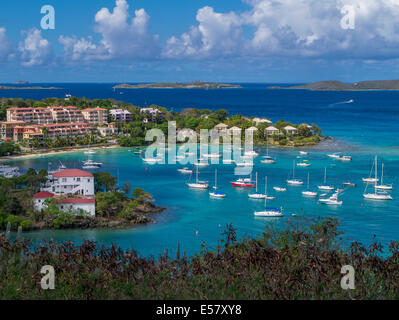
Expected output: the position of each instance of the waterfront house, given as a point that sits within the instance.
(234, 130)
(109, 130)
(70, 182)
(253, 129)
(76, 204)
(272, 131)
(290, 130)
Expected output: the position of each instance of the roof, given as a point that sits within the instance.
(71, 173)
(253, 129)
(77, 200)
(289, 128)
(271, 128)
(221, 125)
(43, 195)
(235, 128)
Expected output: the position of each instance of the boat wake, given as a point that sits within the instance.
(342, 102)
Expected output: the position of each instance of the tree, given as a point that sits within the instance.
(140, 195)
(104, 181)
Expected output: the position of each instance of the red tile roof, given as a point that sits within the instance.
(43, 195)
(71, 173)
(77, 200)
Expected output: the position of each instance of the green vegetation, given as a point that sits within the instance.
(8, 148)
(301, 261)
(179, 85)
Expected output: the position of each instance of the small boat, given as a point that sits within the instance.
(185, 170)
(349, 184)
(303, 164)
(294, 181)
(370, 179)
(256, 195)
(228, 161)
(333, 200)
(198, 184)
(90, 151)
(216, 194)
(344, 158)
(201, 164)
(212, 155)
(268, 212)
(138, 152)
(152, 160)
(243, 183)
(279, 189)
(245, 164)
(303, 152)
(90, 162)
(334, 155)
(251, 153)
(9, 172)
(309, 193)
(324, 186)
(376, 195)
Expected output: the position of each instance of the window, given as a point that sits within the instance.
(77, 179)
(64, 179)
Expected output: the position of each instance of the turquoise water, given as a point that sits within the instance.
(367, 127)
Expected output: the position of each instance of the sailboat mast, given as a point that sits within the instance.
(293, 169)
(382, 174)
(216, 178)
(265, 191)
(308, 180)
(196, 175)
(256, 182)
(325, 175)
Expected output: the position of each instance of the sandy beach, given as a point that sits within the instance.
(52, 152)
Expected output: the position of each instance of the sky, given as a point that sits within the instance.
(273, 41)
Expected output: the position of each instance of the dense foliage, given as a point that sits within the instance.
(302, 261)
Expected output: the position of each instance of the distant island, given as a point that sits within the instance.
(28, 88)
(334, 85)
(178, 85)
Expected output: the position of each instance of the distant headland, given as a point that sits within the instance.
(334, 85)
(178, 85)
(28, 88)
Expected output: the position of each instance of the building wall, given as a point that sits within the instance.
(76, 185)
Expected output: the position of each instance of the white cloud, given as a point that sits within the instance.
(217, 34)
(34, 49)
(6, 46)
(121, 37)
(292, 28)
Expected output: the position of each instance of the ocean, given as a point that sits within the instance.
(362, 129)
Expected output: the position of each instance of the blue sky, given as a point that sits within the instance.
(210, 40)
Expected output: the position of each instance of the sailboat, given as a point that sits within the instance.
(376, 195)
(256, 195)
(215, 193)
(267, 159)
(309, 193)
(268, 212)
(243, 182)
(294, 181)
(198, 184)
(383, 186)
(324, 186)
(371, 179)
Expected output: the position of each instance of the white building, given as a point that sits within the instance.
(121, 115)
(153, 112)
(72, 182)
(291, 130)
(257, 121)
(76, 204)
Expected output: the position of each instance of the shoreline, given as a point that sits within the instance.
(52, 152)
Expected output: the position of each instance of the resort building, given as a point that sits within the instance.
(290, 130)
(52, 131)
(109, 130)
(221, 127)
(7, 129)
(121, 115)
(272, 130)
(252, 129)
(30, 115)
(71, 182)
(151, 113)
(66, 114)
(257, 121)
(95, 116)
(232, 130)
(75, 204)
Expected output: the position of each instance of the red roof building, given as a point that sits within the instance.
(70, 173)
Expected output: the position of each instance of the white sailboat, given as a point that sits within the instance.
(198, 184)
(268, 212)
(294, 181)
(332, 200)
(280, 189)
(256, 195)
(376, 195)
(185, 170)
(267, 159)
(370, 179)
(215, 193)
(383, 186)
(309, 193)
(325, 187)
